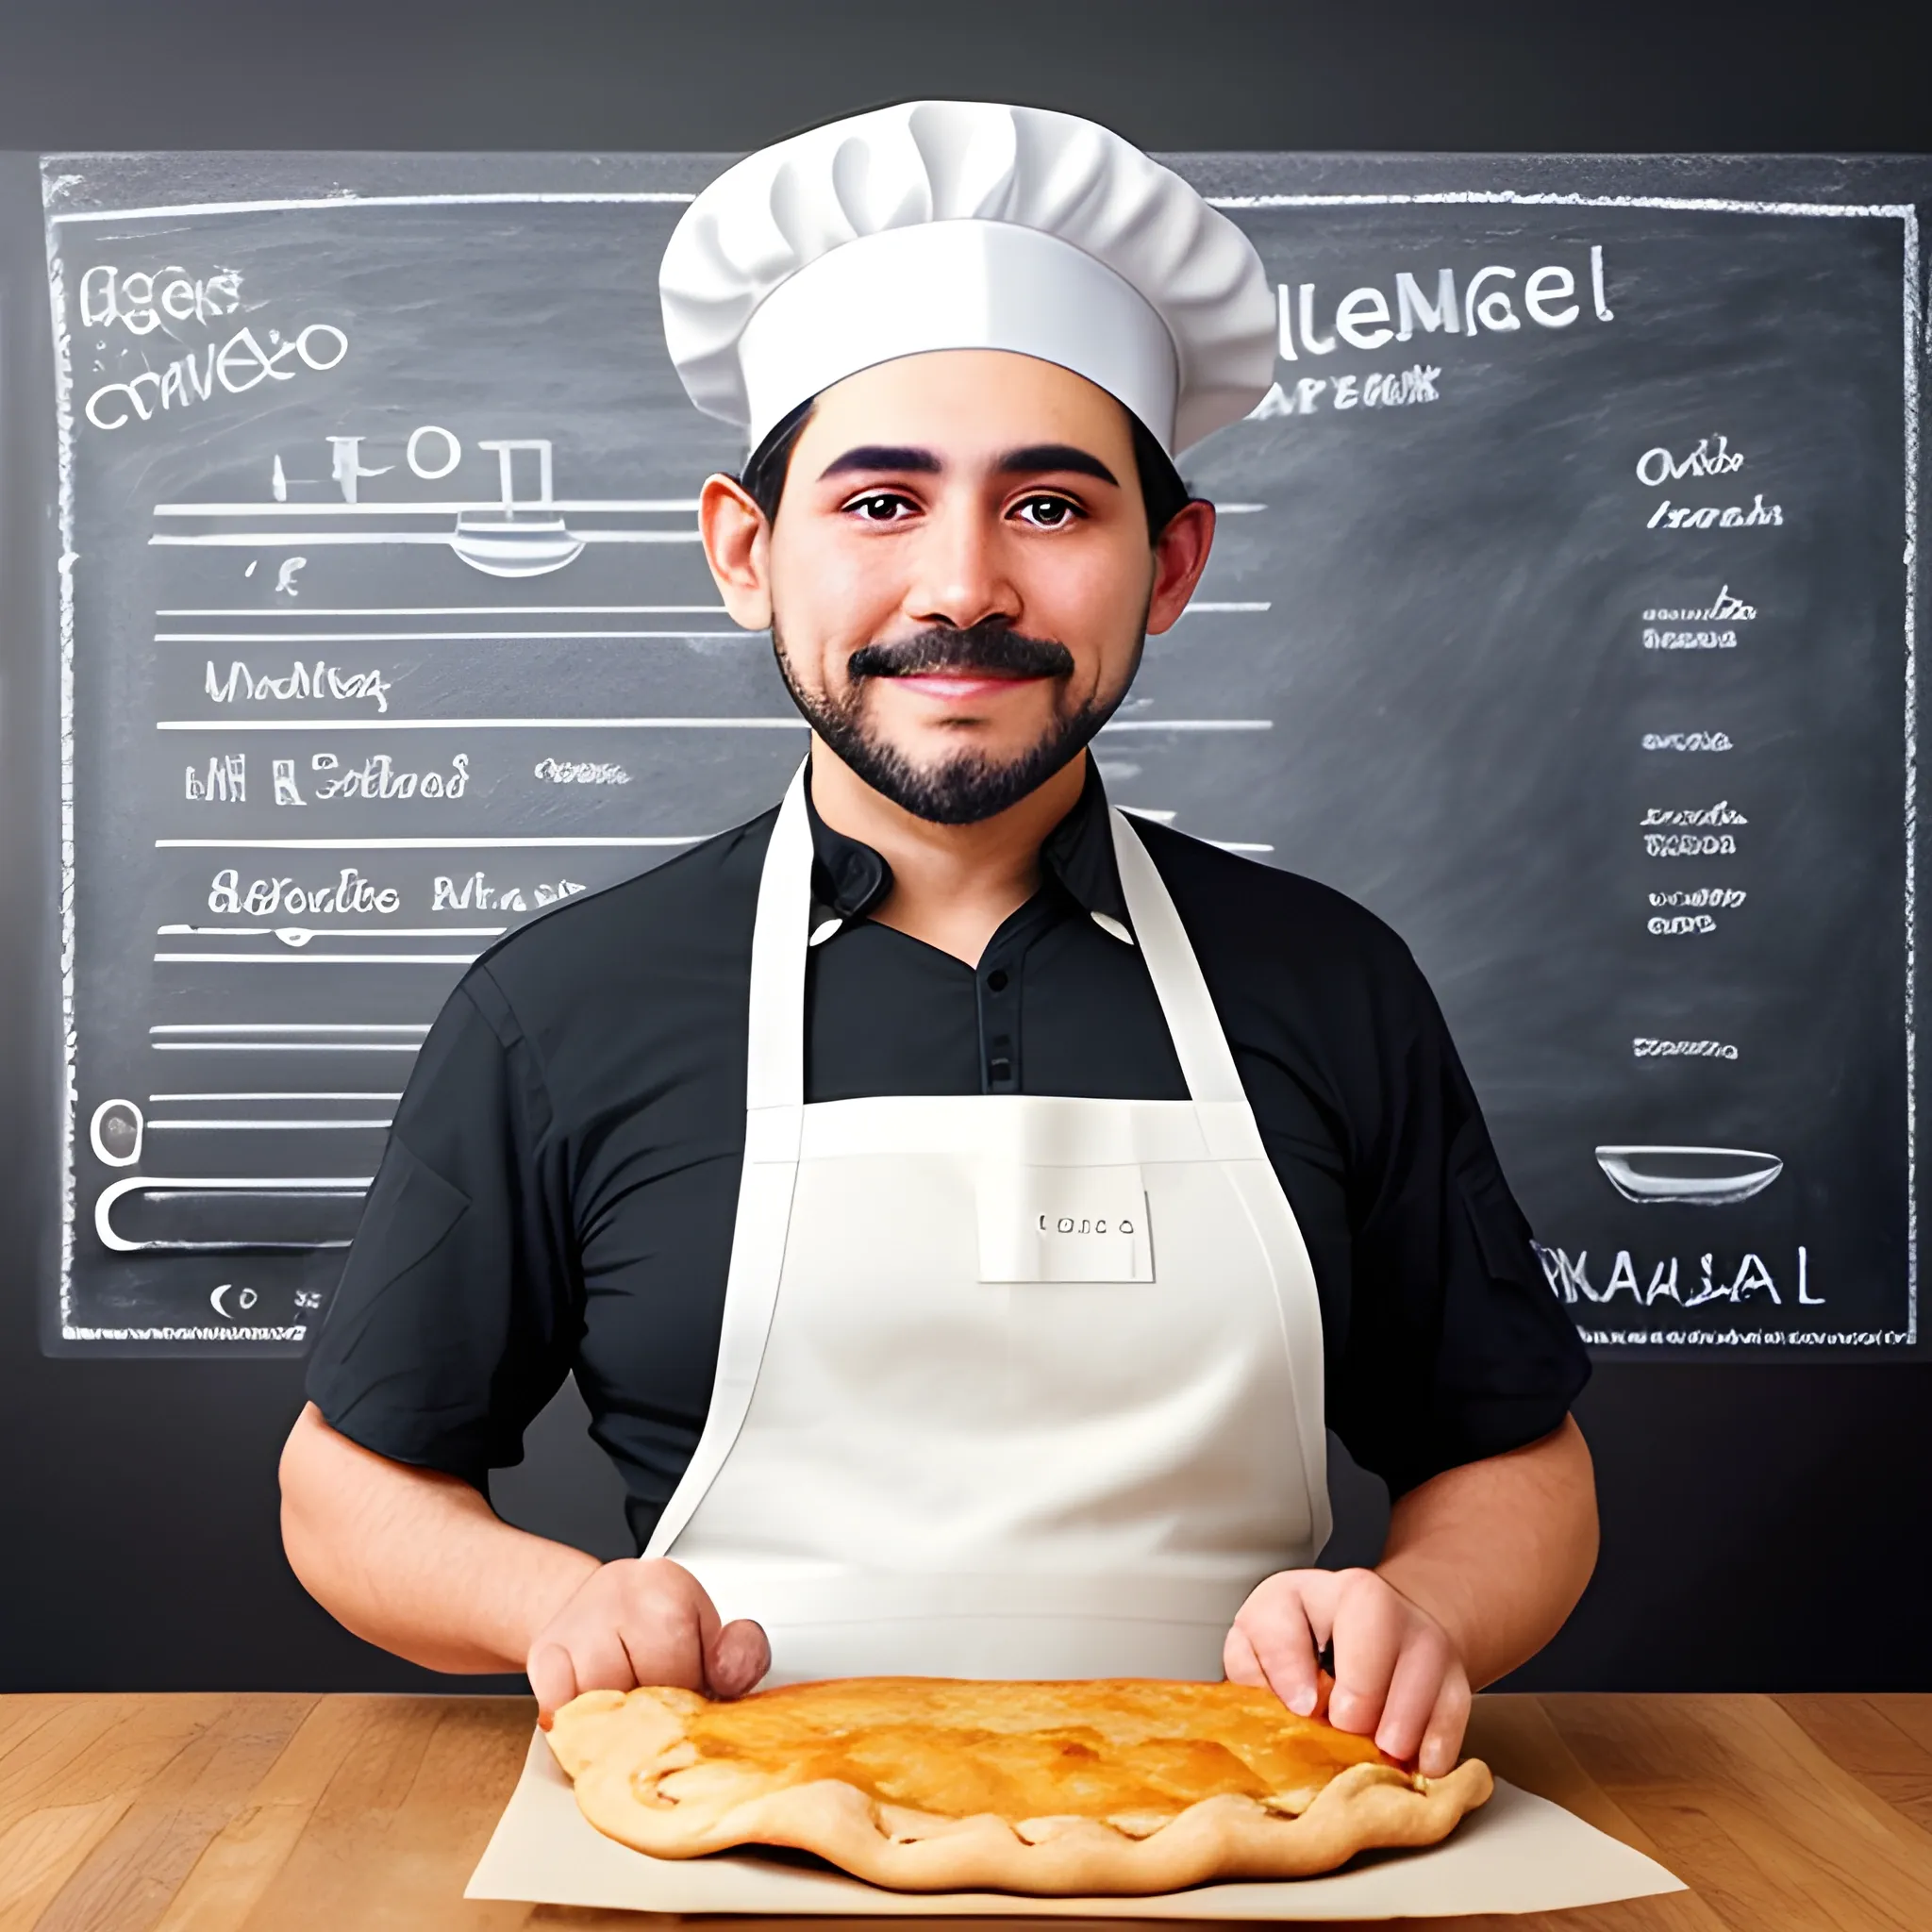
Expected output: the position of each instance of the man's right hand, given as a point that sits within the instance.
(645, 1620)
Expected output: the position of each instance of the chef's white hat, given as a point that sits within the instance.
(961, 224)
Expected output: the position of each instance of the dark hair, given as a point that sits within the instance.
(1161, 489)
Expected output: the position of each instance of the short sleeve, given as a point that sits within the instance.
(457, 1315)
(1456, 1349)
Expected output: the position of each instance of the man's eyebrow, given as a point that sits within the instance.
(882, 455)
(1038, 456)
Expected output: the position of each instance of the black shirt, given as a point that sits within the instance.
(559, 1189)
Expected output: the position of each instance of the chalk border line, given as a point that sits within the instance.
(1904, 213)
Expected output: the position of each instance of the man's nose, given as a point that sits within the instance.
(961, 576)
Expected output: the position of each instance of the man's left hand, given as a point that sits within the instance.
(1397, 1675)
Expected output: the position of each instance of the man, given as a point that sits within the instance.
(960, 1207)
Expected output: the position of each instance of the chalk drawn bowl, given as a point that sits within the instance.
(1697, 1176)
(500, 547)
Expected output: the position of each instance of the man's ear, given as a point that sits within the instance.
(738, 546)
(1180, 555)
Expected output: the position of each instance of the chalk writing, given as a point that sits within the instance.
(1656, 467)
(350, 892)
(235, 367)
(1747, 1337)
(377, 778)
(300, 683)
(1682, 516)
(1382, 390)
(1655, 640)
(1722, 814)
(1569, 1279)
(1727, 898)
(224, 781)
(1689, 846)
(1727, 609)
(1686, 740)
(1364, 318)
(479, 893)
(140, 300)
(572, 772)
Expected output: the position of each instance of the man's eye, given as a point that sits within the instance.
(1047, 512)
(880, 507)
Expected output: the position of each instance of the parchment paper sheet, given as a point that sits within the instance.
(1518, 1854)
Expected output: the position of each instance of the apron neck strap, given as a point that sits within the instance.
(774, 1062)
(774, 1067)
(1199, 1043)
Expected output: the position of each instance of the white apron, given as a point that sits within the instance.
(1009, 1384)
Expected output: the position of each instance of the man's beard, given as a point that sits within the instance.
(965, 789)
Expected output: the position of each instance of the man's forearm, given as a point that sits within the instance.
(417, 1561)
(1499, 1551)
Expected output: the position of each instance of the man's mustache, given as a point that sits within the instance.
(984, 648)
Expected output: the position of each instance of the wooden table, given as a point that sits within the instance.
(282, 1813)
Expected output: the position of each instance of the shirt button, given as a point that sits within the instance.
(997, 979)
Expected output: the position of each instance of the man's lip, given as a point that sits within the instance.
(950, 686)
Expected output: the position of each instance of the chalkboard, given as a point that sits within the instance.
(1561, 610)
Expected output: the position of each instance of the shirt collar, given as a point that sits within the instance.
(849, 879)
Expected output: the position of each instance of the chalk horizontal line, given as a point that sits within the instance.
(361, 201)
(1165, 816)
(280, 1046)
(185, 1099)
(300, 935)
(298, 612)
(402, 845)
(625, 725)
(269, 540)
(646, 506)
(292, 1193)
(371, 637)
(433, 637)
(314, 958)
(1189, 725)
(252, 1184)
(255, 1127)
(1509, 196)
(292, 1026)
(793, 723)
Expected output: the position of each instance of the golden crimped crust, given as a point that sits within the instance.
(942, 1783)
